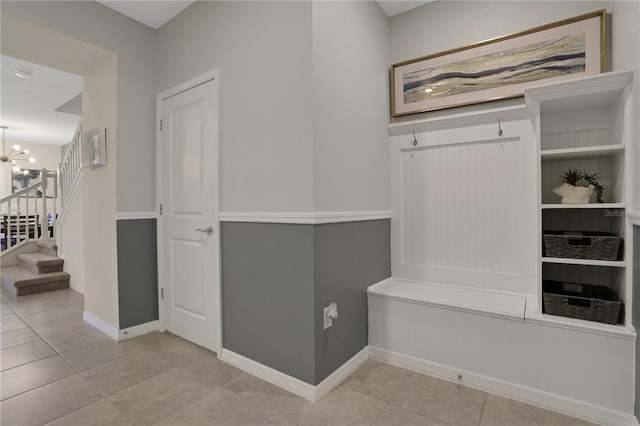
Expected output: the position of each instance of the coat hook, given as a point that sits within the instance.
(500, 132)
(414, 142)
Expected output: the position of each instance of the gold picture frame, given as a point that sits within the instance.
(500, 68)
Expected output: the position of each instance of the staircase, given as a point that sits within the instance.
(36, 272)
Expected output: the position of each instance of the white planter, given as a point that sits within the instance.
(574, 194)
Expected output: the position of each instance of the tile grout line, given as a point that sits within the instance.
(55, 353)
(484, 405)
(59, 354)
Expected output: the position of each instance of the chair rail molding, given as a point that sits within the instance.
(136, 215)
(304, 218)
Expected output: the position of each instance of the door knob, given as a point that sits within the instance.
(208, 230)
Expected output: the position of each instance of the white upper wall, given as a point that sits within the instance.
(443, 25)
(350, 106)
(263, 52)
(98, 25)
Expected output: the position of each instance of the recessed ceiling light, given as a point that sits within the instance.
(23, 74)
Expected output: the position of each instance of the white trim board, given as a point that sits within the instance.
(138, 330)
(291, 384)
(125, 333)
(304, 218)
(101, 325)
(634, 217)
(547, 400)
(136, 215)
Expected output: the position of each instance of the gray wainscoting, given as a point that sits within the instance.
(636, 309)
(267, 295)
(348, 258)
(276, 280)
(137, 272)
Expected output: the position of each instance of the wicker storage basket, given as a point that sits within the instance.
(582, 245)
(581, 301)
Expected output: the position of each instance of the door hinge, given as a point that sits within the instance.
(160, 209)
(160, 125)
(162, 293)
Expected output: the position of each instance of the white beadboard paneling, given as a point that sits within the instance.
(466, 206)
(576, 139)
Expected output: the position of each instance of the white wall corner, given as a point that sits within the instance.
(138, 330)
(101, 325)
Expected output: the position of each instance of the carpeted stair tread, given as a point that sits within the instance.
(40, 262)
(50, 244)
(40, 259)
(21, 281)
(48, 247)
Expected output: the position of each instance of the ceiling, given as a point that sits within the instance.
(29, 106)
(155, 14)
(152, 13)
(396, 7)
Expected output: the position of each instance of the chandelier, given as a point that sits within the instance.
(14, 155)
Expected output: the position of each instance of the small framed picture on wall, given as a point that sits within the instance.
(95, 147)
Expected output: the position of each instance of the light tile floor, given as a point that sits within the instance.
(57, 370)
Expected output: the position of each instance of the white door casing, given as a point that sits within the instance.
(189, 264)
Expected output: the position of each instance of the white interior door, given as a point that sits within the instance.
(189, 192)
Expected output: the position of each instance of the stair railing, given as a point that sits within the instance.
(29, 213)
(70, 167)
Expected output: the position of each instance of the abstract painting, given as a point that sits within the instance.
(500, 68)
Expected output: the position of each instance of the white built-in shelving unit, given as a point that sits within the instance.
(471, 195)
(585, 124)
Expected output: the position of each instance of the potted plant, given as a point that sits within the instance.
(577, 187)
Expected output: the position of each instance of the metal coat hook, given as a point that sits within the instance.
(500, 132)
(414, 142)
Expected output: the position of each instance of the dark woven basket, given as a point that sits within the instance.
(581, 301)
(582, 245)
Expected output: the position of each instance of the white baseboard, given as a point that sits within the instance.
(138, 330)
(547, 400)
(101, 325)
(275, 377)
(344, 371)
(291, 384)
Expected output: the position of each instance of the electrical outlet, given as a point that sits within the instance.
(329, 314)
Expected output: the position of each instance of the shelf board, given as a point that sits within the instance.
(582, 152)
(589, 262)
(584, 206)
(621, 331)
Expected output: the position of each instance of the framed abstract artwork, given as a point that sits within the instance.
(500, 68)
